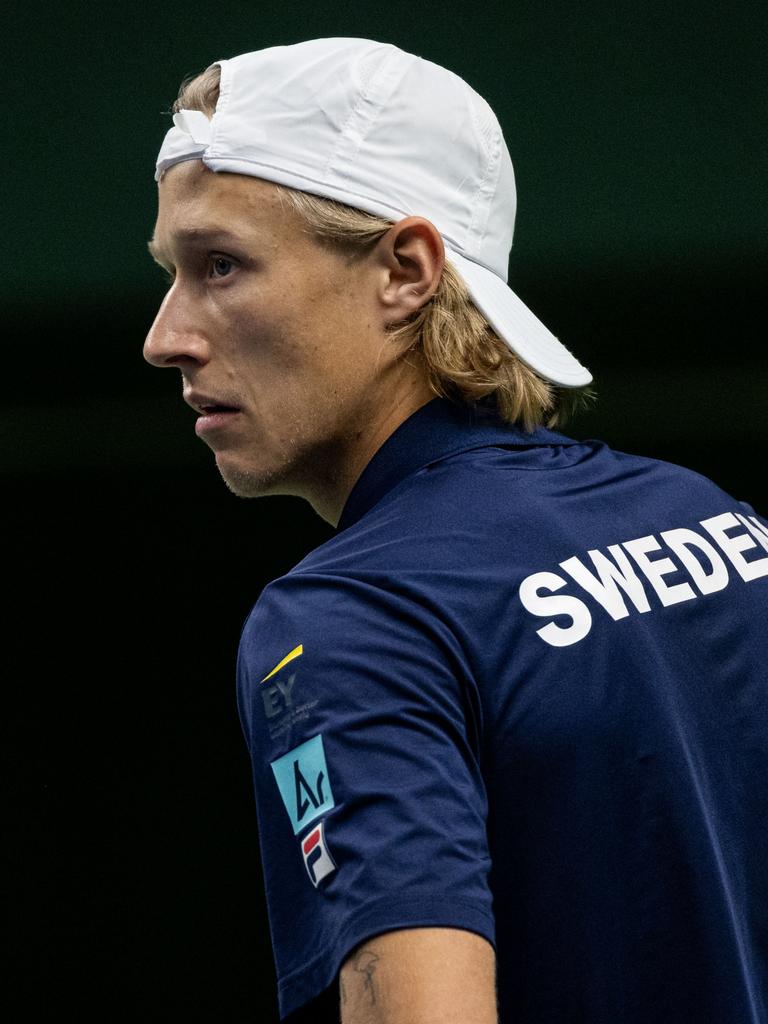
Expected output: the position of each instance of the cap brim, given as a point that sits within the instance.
(514, 322)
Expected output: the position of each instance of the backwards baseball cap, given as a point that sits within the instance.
(385, 131)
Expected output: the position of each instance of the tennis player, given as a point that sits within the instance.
(509, 725)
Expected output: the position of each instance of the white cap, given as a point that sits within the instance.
(387, 132)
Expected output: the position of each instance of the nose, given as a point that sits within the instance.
(174, 339)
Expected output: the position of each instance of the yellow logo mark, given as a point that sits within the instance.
(295, 653)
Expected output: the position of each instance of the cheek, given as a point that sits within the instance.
(260, 335)
(305, 337)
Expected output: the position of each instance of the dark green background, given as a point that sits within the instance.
(638, 137)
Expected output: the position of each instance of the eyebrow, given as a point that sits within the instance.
(187, 236)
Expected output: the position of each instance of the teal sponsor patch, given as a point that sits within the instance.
(302, 778)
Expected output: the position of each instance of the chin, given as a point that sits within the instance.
(244, 485)
(248, 483)
(243, 489)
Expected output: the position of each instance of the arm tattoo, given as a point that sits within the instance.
(365, 963)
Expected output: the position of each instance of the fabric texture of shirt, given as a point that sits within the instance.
(522, 691)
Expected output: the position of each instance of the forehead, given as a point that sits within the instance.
(196, 204)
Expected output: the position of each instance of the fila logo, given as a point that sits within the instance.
(317, 859)
(302, 778)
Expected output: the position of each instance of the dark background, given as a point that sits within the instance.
(638, 139)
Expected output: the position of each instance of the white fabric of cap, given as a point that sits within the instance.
(387, 132)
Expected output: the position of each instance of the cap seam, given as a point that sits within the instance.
(348, 148)
(484, 188)
(222, 102)
(343, 137)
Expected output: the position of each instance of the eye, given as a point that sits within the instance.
(221, 266)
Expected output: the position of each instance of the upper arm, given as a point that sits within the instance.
(362, 718)
(420, 976)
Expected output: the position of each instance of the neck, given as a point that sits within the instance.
(361, 442)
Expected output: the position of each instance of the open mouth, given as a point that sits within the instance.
(209, 410)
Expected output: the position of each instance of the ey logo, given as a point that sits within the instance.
(302, 778)
(276, 695)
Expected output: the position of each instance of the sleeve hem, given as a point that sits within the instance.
(386, 914)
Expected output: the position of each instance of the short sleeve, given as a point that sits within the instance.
(365, 733)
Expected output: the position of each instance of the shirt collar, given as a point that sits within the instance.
(437, 429)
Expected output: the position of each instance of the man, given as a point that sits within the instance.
(508, 726)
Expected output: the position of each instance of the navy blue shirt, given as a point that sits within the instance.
(522, 691)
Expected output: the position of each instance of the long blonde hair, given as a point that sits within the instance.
(464, 358)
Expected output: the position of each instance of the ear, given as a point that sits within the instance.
(411, 257)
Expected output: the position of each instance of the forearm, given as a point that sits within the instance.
(419, 976)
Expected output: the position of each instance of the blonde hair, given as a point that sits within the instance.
(464, 359)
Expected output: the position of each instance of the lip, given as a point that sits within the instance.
(215, 413)
(211, 421)
(202, 403)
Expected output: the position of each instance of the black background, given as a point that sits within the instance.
(637, 134)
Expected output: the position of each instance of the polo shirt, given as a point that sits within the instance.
(522, 691)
